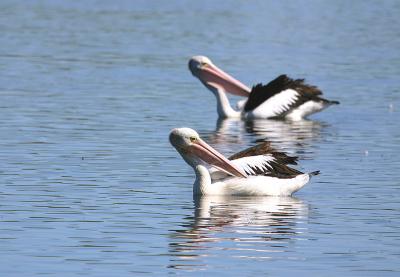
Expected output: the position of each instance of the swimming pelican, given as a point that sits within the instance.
(259, 170)
(283, 97)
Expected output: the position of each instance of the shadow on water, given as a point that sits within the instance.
(243, 227)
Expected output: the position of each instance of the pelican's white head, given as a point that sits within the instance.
(183, 138)
(196, 63)
(214, 78)
(195, 151)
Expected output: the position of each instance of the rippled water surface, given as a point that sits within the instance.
(90, 185)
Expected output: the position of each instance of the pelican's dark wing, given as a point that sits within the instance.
(265, 148)
(283, 95)
(262, 159)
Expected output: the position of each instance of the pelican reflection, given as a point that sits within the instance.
(252, 226)
(296, 137)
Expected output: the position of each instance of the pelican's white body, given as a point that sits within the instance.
(252, 185)
(270, 108)
(299, 113)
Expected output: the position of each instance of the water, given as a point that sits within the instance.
(90, 185)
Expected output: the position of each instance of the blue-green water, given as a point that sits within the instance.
(89, 184)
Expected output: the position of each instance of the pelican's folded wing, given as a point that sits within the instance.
(266, 165)
(264, 148)
(281, 95)
(261, 159)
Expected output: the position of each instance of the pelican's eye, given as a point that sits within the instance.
(203, 64)
(193, 139)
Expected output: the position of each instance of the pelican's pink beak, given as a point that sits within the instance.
(211, 75)
(213, 157)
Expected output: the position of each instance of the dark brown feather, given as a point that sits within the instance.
(259, 149)
(282, 171)
(263, 149)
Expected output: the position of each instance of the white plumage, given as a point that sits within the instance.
(305, 110)
(260, 162)
(256, 185)
(275, 106)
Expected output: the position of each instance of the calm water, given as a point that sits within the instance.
(90, 185)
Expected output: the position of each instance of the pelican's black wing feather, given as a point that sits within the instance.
(261, 93)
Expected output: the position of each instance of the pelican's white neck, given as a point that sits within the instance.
(203, 180)
(203, 177)
(224, 108)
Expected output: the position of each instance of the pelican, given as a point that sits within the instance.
(259, 170)
(283, 97)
